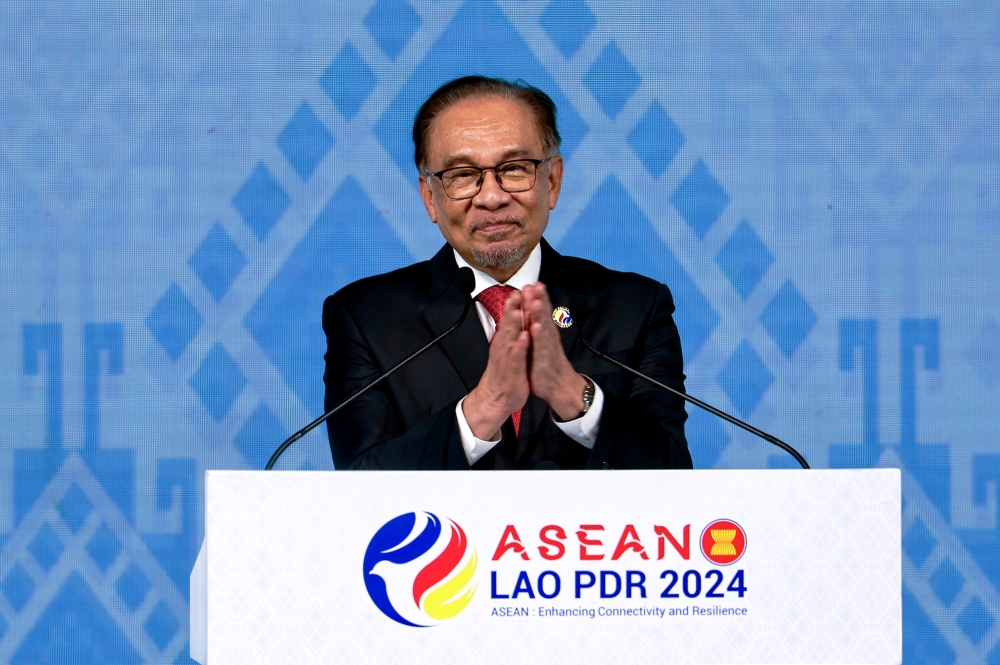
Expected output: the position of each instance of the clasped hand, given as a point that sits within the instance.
(526, 356)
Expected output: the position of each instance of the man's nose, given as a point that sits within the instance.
(491, 194)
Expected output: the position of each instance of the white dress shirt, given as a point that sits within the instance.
(584, 429)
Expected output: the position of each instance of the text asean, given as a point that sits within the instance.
(593, 542)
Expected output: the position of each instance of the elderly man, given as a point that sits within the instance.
(512, 388)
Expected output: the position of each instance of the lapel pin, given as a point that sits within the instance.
(562, 317)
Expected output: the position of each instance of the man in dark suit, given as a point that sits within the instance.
(512, 387)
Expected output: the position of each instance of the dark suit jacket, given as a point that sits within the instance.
(408, 421)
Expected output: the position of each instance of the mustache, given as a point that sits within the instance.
(507, 219)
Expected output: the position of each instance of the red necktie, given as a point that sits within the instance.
(493, 299)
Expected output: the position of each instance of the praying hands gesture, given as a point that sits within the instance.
(526, 356)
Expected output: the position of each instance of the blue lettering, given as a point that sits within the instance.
(605, 575)
(635, 579)
(558, 584)
(523, 586)
(493, 586)
(580, 574)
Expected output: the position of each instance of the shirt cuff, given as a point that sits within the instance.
(476, 448)
(584, 429)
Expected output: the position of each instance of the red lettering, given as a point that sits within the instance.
(665, 535)
(587, 542)
(560, 549)
(514, 543)
(624, 544)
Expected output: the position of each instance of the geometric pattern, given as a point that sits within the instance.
(788, 318)
(656, 140)
(285, 320)
(611, 80)
(256, 438)
(262, 201)
(391, 23)
(172, 214)
(700, 199)
(218, 381)
(593, 238)
(348, 81)
(745, 378)
(567, 23)
(304, 141)
(60, 609)
(174, 321)
(217, 261)
(744, 259)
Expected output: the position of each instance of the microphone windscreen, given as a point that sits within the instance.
(466, 280)
(579, 308)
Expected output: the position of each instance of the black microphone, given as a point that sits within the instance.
(580, 310)
(466, 284)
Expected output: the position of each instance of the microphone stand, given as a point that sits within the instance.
(697, 402)
(316, 423)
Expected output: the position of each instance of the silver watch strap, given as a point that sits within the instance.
(588, 393)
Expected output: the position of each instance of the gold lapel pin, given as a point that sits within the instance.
(562, 317)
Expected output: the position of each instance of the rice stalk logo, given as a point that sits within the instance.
(723, 542)
(420, 571)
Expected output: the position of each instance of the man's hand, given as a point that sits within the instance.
(551, 375)
(504, 387)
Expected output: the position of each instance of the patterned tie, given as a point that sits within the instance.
(493, 299)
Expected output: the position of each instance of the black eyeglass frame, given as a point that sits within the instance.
(482, 176)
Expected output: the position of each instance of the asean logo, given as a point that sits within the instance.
(723, 542)
(420, 571)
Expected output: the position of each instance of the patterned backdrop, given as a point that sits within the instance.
(181, 184)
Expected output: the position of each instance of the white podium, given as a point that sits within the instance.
(782, 566)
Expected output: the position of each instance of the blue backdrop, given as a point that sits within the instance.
(182, 183)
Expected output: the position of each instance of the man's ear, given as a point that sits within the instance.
(427, 196)
(555, 180)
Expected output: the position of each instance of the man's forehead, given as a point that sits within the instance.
(495, 124)
(476, 158)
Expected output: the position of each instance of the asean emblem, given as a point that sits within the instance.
(723, 542)
(562, 317)
(420, 570)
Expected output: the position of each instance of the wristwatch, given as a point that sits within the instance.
(588, 394)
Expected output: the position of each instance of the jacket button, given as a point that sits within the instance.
(605, 465)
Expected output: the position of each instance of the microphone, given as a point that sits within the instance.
(466, 284)
(580, 310)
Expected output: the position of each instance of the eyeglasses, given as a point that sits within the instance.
(464, 182)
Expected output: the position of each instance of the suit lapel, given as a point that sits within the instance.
(467, 347)
(561, 290)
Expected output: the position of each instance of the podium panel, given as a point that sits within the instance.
(775, 566)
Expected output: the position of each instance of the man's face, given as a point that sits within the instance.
(494, 230)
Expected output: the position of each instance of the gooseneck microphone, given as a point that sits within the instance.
(580, 310)
(466, 284)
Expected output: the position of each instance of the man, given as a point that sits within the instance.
(509, 389)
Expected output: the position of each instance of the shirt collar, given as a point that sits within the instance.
(527, 274)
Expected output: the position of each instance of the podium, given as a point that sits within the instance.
(767, 566)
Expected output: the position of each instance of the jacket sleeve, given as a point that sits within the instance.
(369, 433)
(642, 425)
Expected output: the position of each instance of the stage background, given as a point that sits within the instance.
(181, 184)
